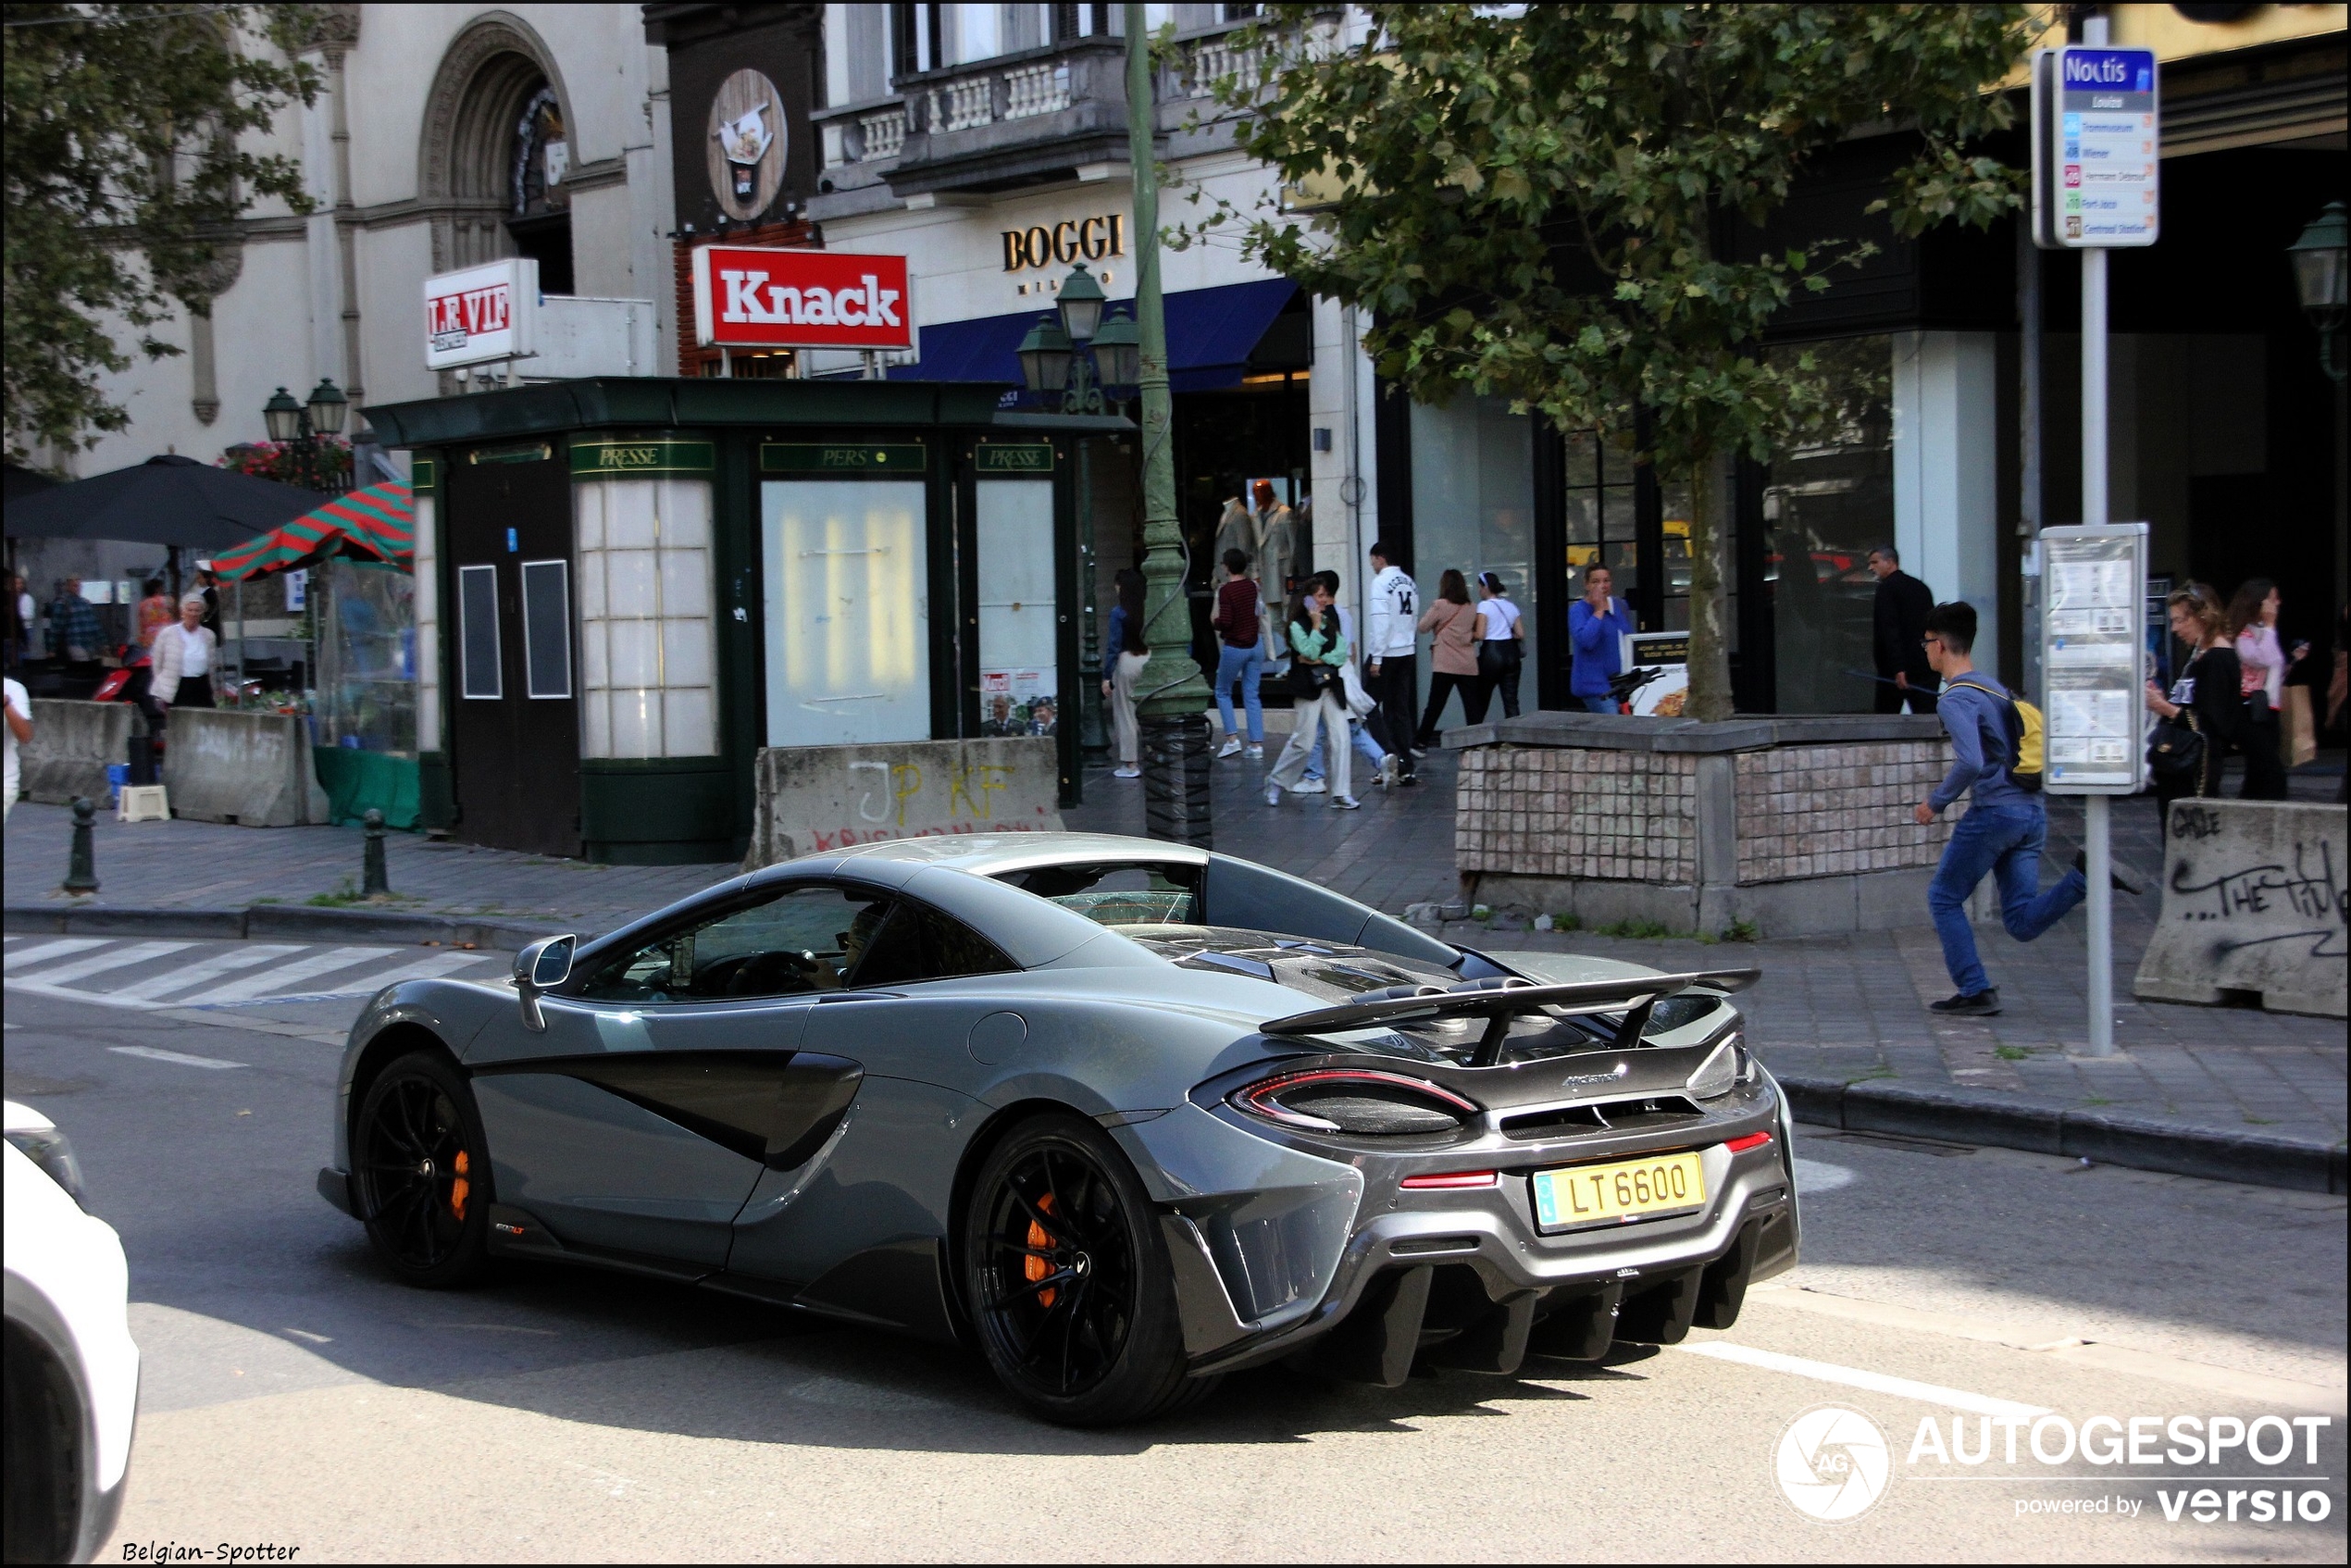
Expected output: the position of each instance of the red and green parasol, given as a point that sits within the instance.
(376, 524)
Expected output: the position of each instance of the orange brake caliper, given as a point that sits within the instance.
(1035, 1267)
(461, 1188)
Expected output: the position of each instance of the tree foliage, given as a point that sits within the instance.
(125, 170)
(1550, 205)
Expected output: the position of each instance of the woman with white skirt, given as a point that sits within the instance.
(1318, 651)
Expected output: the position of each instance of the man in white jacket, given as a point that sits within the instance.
(1391, 657)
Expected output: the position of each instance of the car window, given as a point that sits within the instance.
(919, 943)
(1120, 894)
(801, 940)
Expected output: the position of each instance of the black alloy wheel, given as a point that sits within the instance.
(421, 1172)
(1068, 1280)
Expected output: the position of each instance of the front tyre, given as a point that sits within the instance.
(1068, 1281)
(420, 1172)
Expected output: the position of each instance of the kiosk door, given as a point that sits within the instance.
(514, 726)
(848, 599)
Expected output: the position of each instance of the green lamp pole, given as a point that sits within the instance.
(1173, 700)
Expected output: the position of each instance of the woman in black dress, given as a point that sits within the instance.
(2204, 696)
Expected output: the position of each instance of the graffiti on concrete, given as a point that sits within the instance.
(2309, 889)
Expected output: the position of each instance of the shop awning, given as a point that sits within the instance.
(1211, 334)
(375, 524)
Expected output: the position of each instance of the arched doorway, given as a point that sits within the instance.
(497, 155)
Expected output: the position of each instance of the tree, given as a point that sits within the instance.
(1547, 205)
(124, 171)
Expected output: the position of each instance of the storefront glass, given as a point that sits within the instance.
(1019, 691)
(648, 642)
(1473, 501)
(1825, 506)
(366, 680)
(848, 611)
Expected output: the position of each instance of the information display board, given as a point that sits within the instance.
(2097, 147)
(2092, 659)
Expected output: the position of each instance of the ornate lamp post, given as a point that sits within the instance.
(308, 432)
(2318, 279)
(1173, 706)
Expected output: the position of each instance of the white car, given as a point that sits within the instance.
(72, 1389)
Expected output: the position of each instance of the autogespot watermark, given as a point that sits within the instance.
(1832, 1463)
(1835, 1464)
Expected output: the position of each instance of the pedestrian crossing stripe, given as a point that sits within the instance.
(135, 974)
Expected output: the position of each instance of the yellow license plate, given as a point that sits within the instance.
(1627, 1189)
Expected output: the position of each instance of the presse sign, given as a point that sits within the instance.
(746, 297)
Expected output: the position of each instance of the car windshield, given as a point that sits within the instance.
(1124, 893)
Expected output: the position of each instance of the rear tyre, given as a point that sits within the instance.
(421, 1173)
(1068, 1281)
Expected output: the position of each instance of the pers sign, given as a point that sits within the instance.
(482, 313)
(750, 298)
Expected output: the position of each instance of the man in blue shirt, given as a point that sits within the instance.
(2005, 826)
(1593, 623)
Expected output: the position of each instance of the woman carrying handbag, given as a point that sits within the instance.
(2201, 717)
(1318, 652)
(1454, 624)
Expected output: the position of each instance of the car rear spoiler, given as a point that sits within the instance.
(1498, 1001)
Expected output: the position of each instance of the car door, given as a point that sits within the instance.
(670, 1075)
(858, 1231)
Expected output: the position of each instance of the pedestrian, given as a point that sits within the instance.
(182, 660)
(1358, 701)
(2005, 826)
(2204, 700)
(156, 612)
(1239, 625)
(1898, 631)
(19, 727)
(1124, 653)
(2253, 615)
(208, 584)
(1317, 651)
(18, 612)
(2339, 689)
(1392, 660)
(1596, 623)
(73, 628)
(1452, 624)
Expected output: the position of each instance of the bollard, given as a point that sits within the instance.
(373, 883)
(82, 867)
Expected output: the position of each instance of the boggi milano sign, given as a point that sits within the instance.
(747, 297)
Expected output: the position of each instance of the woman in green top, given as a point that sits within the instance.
(1318, 651)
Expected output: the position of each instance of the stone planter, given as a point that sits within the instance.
(1800, 826)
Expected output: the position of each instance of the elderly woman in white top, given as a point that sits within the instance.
(182, 658)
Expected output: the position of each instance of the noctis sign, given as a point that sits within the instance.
(750, 298)
(482, 314)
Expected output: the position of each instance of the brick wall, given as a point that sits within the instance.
(1545, 811)
(1825, 810)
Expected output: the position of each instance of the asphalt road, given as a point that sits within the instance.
(294, 1397)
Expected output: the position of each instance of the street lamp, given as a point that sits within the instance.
(307, 431)
(1055, 355)
(2318, 279)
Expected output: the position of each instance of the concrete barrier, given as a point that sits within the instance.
(252, 770)
(815, 798)
(2253, 903)
(73, 745)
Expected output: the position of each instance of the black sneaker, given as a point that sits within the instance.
(2124, 880)
(1983, 1004)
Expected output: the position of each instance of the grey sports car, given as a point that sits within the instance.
(1123, 1116)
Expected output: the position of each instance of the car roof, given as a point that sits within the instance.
(993, 855)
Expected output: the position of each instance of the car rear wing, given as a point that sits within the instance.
(1498, 1001)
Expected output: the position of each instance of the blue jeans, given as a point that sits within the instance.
(2006, 843)
(1600, 704)
(1244, 665)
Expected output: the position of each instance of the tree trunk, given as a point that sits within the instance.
(1709, 647)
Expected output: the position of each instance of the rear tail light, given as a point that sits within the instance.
(1451, 1181)
(1752, 1140)
(1359, 1102)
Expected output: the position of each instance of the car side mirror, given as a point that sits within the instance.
(542, 966)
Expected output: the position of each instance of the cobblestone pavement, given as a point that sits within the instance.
(1847, 1006)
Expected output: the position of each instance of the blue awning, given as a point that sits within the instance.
(1211, 334)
